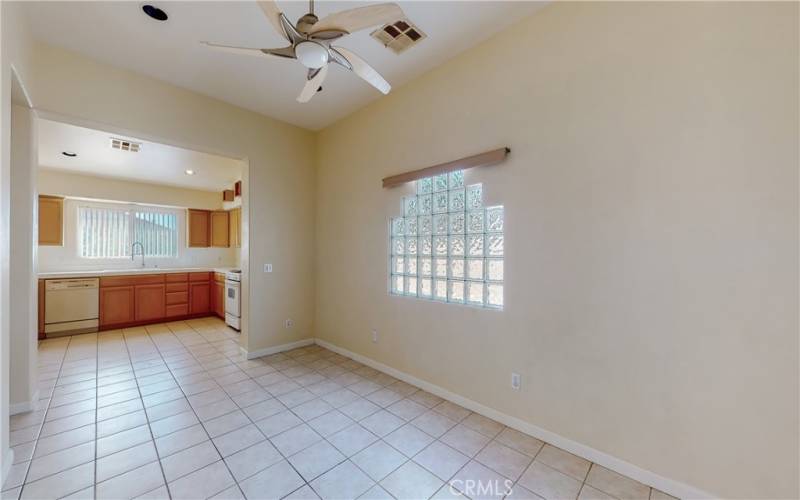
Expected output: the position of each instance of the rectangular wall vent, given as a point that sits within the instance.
(399, 36)
(125, 145)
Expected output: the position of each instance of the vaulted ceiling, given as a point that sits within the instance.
(118, 33)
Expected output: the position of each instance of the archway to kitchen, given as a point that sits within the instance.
(156, 231)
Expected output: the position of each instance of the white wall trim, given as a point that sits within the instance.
(275, 349)
(25, 406)
(670, 486)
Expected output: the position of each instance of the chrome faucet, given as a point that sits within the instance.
(133, 245)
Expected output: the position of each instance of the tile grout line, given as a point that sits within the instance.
(47, 410)
(208, 354)
(236, 481)
(96, 409)
(210, 439)
(147, 420)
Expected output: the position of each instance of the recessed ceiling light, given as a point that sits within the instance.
(69, 154)
(188, 172)
(154, 12)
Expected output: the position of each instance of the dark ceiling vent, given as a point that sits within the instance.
(399, 35)
(125, 145)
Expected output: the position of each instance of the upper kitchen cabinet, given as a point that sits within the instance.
(236, 228)
(220, 223)
(199, 225)
(51, 220)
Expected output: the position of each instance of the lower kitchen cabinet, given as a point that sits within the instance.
(218, 298)
(127, 300)
(150, 302)
(199, 297)
(117, 305)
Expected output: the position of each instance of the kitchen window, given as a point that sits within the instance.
(107, 231)
(447, 246)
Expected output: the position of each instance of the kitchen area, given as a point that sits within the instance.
(134, 233)
(103, 300)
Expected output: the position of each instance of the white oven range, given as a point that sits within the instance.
(233, 301)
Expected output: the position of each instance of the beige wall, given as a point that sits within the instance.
(652, 220)
(68, 184)
(651, 231)
(23, 394)
(279, 181)
(61, 183)
(14, 57)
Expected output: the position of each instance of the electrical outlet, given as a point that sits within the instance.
(516, 381)
(375, 336)
(267, 268)
(289, 323)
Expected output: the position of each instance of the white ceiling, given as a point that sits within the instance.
(118, 33)
(154, 163)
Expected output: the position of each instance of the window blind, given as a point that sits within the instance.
(107, 232)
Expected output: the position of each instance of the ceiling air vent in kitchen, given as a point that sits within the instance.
(125, 145)
(399, 36)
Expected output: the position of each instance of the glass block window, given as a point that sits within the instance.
(446, 245)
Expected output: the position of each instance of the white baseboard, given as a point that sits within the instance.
(670, 486)
(275, 349)
(24, 406)
(9, 459)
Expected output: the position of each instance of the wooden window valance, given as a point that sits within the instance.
(480, 160)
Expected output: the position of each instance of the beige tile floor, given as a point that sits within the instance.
(175, 411)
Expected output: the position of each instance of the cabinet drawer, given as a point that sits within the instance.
(177, 287)
(177, 298)
(199, 276)
(177, 310)
(177, 277)
(147, 279)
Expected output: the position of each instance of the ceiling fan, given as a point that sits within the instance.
(311, 42)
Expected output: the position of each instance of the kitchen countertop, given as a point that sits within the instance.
(133, 271)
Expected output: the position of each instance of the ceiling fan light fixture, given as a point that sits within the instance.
(311, 37)
(312, 55)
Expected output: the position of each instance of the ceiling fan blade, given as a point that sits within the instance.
(361, 68)
(315, 79)
(285, 52)
(270, 9)
(353, 20)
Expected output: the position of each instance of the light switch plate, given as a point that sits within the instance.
(267, 268)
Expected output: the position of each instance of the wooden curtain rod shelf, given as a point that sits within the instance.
(480, 160)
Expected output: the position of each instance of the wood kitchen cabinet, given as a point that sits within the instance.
(150, 302)
(129, 300)
(199, 228)
(199, 297)
(235, 224)
(117, 305)
(41, 296)
(218, 295)
(51, 220)
(220, 232)
(177, 295)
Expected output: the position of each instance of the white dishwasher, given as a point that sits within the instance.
(71, 306)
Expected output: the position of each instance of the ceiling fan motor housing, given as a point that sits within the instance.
(305, 23)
